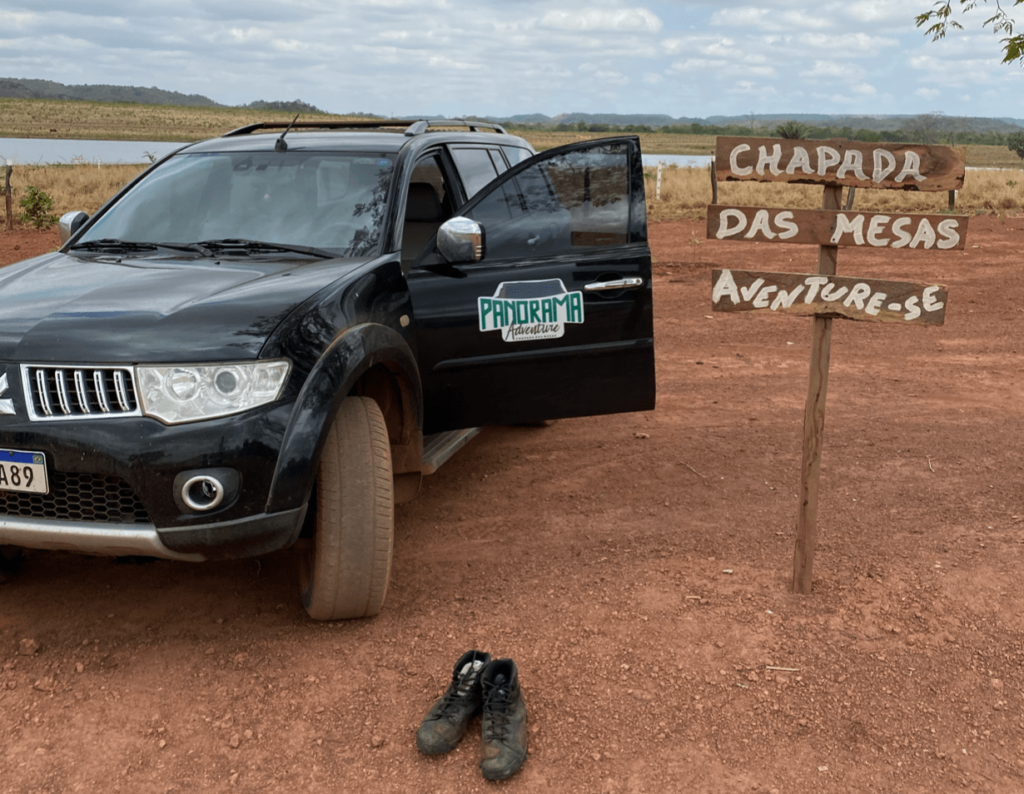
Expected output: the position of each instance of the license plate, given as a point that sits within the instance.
(23, 471)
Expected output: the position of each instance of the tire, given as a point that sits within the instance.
(346, 574)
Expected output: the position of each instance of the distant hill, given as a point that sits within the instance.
(18, 88)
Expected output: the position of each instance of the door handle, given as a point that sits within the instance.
(622, 283)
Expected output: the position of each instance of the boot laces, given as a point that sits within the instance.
(459, 690)
(498, 706)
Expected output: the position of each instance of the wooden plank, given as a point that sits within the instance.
(829, 227)
(801, 294)
(814, 421)
(840, 162)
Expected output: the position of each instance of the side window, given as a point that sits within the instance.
(476, 168)
(562, 204)
(516, 154)
(499, 161)
(427, 206)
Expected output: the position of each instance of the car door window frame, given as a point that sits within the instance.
(636, 223)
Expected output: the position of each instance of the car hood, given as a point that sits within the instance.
(60, 308)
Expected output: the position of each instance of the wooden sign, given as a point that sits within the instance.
(840, 162)
(825, 227)
(807, 295)
(825, 295)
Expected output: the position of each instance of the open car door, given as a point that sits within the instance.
(552, 315)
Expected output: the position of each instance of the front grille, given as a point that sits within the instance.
(67, 392)
(79, 497)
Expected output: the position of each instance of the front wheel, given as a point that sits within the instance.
(346, 574)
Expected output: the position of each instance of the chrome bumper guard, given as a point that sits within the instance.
(88, 538)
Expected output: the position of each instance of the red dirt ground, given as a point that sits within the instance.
(636, 567)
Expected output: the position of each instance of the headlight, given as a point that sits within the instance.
(184, 393)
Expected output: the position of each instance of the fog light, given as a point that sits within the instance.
(202, 492)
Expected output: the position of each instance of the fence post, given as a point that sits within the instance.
(658, 193)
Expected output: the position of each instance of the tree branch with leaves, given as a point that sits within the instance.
(940, 20)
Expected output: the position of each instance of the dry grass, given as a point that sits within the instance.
(73, 187)
(650, 142)
(993, 157)
(686, 192)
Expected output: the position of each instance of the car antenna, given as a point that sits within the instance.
(280, 145)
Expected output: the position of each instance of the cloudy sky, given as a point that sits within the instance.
(502, 57)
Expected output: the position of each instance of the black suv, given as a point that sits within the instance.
(273, 334)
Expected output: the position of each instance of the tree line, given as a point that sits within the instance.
(922, 130)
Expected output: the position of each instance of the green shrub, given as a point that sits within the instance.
(1016, 142)
(36, 206)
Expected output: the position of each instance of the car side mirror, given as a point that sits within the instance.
(71, 222)
(461, 240)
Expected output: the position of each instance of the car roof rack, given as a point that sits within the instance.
(410, 127)
(421, 126)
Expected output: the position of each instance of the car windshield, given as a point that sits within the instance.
(326, 200)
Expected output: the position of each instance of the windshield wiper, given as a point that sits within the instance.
(256, 247)
(112, 244)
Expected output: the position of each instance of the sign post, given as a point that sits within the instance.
(824, 295)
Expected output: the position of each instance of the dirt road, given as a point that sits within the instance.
(636, 567)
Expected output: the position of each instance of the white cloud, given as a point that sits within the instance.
(741, 17)
(846, 44)
(798, 19)
(864, 89)
(628, 19)
(928, 93)
(723, 48)
(653, 79)
(248, 34)
(611, 78)
(288, 45)
(19, 19)
(885, 10)
(760, 18)
(832, 69)
(748, 87)
(444, 62)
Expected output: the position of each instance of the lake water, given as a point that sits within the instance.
(47, 151)
(680, 160)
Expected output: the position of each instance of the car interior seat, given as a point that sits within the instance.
(423, 217)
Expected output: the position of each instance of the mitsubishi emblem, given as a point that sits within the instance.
(6, 406)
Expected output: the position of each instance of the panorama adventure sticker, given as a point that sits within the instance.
(527, 310)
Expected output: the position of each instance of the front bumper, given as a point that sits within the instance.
(245, 537)
(115, 483)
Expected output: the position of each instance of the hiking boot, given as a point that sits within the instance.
(446, 721)
(504, 721)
